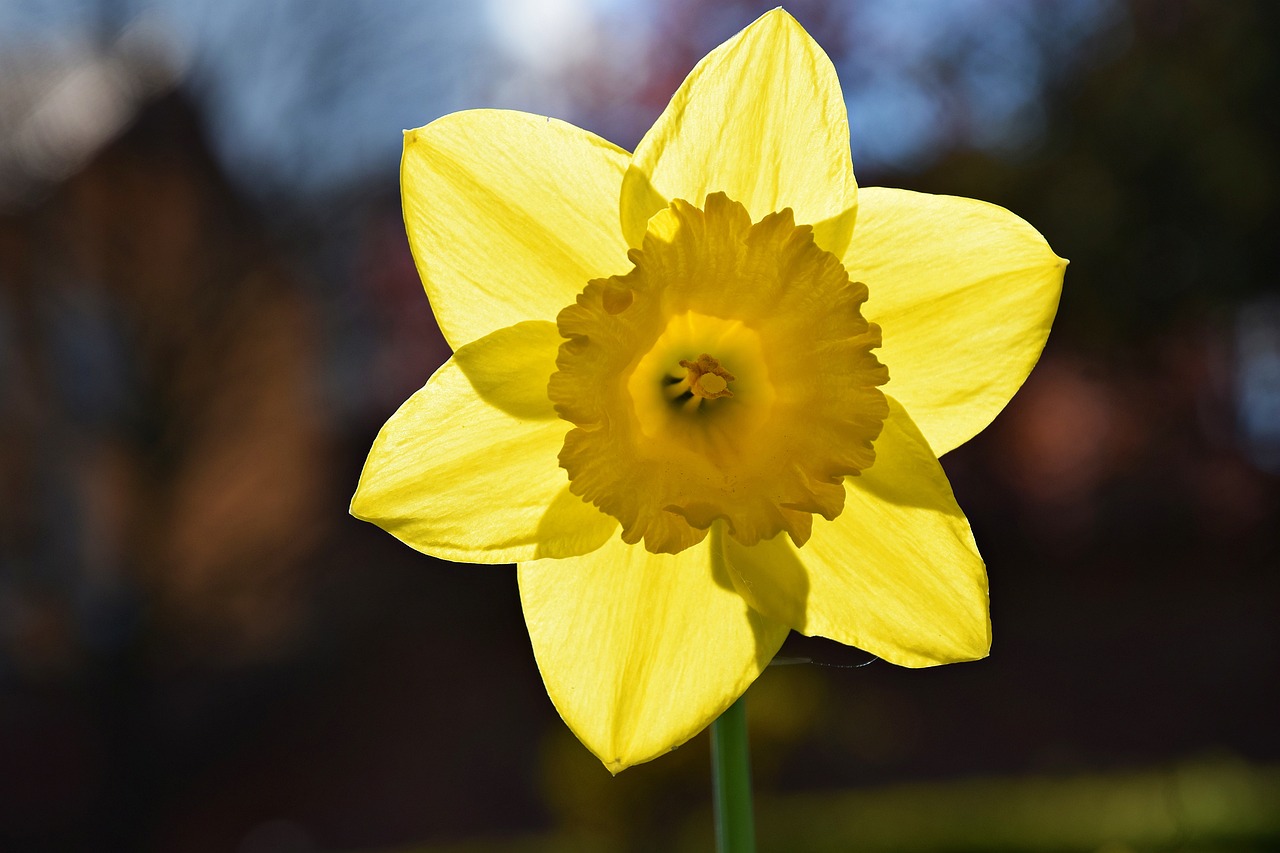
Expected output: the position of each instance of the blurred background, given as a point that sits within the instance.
(207, 309)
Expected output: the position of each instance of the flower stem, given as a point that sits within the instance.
(731, 781)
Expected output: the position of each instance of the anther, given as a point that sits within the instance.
(707, 379)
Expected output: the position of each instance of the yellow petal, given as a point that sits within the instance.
(965, 293)
(466, 469)
(508, 215)
(762, 119)
(897, 573)
(639, 651)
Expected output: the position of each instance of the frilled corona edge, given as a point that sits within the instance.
(775, 322)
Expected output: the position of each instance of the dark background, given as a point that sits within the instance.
(207, 309)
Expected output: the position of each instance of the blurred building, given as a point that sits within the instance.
(163, 453)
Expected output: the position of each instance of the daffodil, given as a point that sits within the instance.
(698, 392)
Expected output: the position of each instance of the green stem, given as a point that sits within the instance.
(731, 781)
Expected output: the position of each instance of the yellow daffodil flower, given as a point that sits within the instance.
(698, 392)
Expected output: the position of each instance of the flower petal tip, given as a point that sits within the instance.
(351, 509)
(774, 93)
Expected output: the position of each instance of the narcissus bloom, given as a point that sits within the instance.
(698, 392)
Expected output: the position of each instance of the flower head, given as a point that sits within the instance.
(698, 392)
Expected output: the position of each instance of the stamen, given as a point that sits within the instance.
(706, 378)
(677, 389)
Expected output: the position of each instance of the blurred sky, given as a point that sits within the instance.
(305, 97)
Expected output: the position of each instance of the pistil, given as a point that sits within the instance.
(706, 378)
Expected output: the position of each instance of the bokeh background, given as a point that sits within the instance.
(207, 309)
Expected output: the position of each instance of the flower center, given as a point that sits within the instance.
(667, 439)
(676, 393)
(705, 379)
